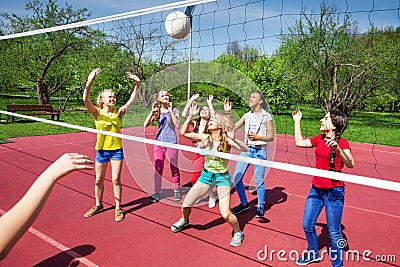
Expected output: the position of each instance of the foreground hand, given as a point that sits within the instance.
(68, 163)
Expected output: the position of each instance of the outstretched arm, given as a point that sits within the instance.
(186, 111)
(298, 137)
(239, 123)
(86, 94)
(174, 117)
(19, 218)
(210, 106)
(196, 137)
(125, 108)
(150, 118)
(234, 142)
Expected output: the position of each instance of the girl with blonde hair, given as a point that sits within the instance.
(108, 148)
(215, 171)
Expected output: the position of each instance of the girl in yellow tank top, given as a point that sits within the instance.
(108, 148)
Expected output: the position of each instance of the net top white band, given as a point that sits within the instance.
(125, 15)
(362, 180)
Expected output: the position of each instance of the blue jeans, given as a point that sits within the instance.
(259, 171)
(333, 200)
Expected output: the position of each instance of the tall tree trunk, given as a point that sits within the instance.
(41, 87)
(43, 94)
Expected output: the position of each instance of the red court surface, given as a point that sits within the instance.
(61, 236)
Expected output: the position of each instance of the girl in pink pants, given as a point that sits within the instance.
(168, 120)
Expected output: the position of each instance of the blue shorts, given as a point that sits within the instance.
(103, 156)
(215, 179)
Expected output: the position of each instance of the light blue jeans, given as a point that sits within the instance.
(259, 171)
(333, 200)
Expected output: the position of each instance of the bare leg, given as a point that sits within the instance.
(196, 191)
(99, 183)
(116, 167)
(224, 207)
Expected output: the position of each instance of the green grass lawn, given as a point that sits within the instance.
(364, 127)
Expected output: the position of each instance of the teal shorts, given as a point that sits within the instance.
(215, 179)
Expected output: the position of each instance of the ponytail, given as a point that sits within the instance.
(339, 120)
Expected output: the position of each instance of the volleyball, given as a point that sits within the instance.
(177, 24)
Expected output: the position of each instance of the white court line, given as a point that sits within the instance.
(59, 246)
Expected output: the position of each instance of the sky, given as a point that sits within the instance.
(210, 30)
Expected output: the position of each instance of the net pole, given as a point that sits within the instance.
(190, 60)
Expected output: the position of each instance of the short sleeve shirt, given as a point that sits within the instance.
(166, 128)
(256, 123)
(322, 160)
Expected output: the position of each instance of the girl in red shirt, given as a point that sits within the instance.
(332, 152)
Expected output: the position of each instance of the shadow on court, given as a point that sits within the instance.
(68, 258)
(272, 197)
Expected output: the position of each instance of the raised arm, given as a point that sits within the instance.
(196, 137)
(234, 142)
(193, 110)
(132, 100)
(155, 107)
(186, 111)
(227, 110)
(239, 123)
(86, 94)
(210, 106)
(174, 117)
(298, 137)
(19, 218)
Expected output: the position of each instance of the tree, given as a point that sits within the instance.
(268, 73)
(148, 52)
(41, 52)
(327, 58)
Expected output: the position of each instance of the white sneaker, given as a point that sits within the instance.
(212, 202)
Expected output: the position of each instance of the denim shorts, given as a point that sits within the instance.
(215, 179)
(103, 156)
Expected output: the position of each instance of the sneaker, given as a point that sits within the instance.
(240, 208)
(94, 211)
(260, 212)
(155, 197)
(308, 257)
(119, 215)
(177, 195)
(212, 202)
(237, 239)
(179, 225)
